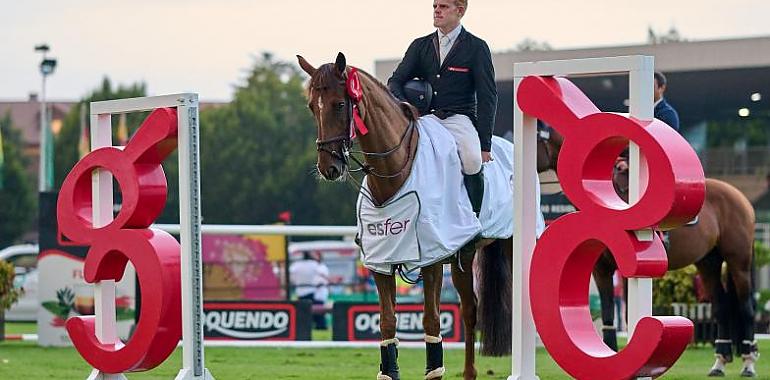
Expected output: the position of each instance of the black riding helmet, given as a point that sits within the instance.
(419, 93)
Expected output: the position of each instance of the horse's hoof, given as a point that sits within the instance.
(381, 376)
(435, 374)
(748, 373)
(717, 373)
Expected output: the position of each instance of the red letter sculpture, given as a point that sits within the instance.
(154, 253)
(672, 193)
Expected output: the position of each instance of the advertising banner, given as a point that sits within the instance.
(243, 267)
(224, 320)
(62, 292)
(361, 322)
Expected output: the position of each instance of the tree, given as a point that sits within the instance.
(528, 44)
(671, 36)
(727, 132)
(17, 196)
(68, 141)
(258, 155)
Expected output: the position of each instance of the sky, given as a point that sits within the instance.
(206, 46)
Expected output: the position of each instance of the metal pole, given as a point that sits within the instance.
(42, 184)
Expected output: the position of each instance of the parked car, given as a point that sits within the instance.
(24, 259)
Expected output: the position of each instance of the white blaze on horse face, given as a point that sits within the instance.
(320, 110)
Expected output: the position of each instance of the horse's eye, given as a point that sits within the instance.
(340, 105)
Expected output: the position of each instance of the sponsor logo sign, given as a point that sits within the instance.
(257, 320)
(361, 322)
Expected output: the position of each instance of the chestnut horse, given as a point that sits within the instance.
(388, 150)
(723, 233)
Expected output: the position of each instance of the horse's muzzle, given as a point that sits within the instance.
(333, 171)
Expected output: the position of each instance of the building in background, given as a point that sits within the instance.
(721, 89)
(25, 117)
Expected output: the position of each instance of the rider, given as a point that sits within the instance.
(458, 67)
(663, 111)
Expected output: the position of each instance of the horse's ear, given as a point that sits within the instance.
(340, 63)
(309, 69)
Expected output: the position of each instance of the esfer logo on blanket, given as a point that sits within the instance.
(387, 228)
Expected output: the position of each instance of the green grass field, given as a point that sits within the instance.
(24, 360)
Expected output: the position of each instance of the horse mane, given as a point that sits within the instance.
(407, 109)
(374, 90)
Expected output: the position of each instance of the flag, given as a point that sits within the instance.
(285, 217)
(84, 143)
(122, 136)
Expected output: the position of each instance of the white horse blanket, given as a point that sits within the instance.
(430, 218)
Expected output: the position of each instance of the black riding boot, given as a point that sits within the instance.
(434, 357)
(389, 362)
(474, 185)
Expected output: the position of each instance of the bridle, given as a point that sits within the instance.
(353, 95)
(620, 189)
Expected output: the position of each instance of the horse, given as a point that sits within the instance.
(723, 232)
(389, 149)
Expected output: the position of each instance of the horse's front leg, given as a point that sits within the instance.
(386, 288)
(432, 277)
(462, 278)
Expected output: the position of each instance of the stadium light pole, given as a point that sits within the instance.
(47, 67)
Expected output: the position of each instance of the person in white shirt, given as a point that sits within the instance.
(310, 278)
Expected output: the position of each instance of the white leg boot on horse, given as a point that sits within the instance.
(749, 360)
(718, 369)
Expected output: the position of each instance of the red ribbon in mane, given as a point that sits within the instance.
(353, 85)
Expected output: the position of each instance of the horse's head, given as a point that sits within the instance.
(620, 178)
(332, 109)
(549, 143)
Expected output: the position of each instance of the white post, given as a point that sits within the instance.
(640, 107)
(42, 177)
(101, 196)
(190, 236)
(524, 331)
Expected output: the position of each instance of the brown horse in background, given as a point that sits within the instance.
(723, 233)
(388, 150)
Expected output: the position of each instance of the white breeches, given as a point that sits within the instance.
(467, 140)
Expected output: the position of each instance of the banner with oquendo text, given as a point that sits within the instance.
(233, 320)
(361, 322)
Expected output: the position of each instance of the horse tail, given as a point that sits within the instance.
(753, 274)
(495, 294)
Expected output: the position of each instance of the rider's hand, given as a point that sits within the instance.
(486, 156)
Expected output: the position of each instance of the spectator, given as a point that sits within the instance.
(310, 278)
